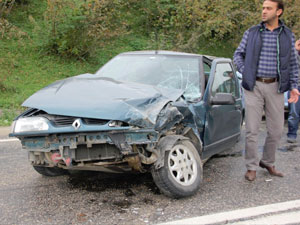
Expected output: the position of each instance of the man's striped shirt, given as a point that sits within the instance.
(267, 64)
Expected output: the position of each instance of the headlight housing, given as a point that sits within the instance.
(31, 124)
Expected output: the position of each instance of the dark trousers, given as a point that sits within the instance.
(293, 120)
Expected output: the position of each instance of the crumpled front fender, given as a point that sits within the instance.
(166, 144)
(167, 118)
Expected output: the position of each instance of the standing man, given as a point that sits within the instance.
(294, 114)
(266, 57)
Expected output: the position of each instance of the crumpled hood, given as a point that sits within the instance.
(90, 96)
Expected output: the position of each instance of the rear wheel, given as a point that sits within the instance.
(50, 171)
(182, 172)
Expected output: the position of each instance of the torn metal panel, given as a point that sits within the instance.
(193, 116)
(167, 118)
(119, 140)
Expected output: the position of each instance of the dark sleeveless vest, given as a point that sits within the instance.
(253, 49)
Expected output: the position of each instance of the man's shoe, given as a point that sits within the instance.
(291, 140)
(250, 175)
(271, 169)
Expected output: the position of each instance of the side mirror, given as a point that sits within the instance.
(223, 99)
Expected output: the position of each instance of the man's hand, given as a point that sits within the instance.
(297, 45)
(294, 95)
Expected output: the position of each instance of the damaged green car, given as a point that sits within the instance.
(149, 111)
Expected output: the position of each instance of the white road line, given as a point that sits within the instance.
(231, 216)
(8, 140)
(280, 219)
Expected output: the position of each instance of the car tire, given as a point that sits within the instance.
(182, 172)
(50, 171)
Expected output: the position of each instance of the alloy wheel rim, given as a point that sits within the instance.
(182, 165)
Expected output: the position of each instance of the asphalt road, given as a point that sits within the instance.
(96, 198)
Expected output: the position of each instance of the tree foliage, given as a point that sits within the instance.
(184, 23)
(75, 28)
(7, 5)
(7, 29)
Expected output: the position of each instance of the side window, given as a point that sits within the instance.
(206, 68)
(206, 72)
(224, 80)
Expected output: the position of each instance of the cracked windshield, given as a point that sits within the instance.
(160, 71)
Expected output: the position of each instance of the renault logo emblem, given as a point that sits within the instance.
(76, 124)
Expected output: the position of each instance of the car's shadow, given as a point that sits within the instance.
(99, 181)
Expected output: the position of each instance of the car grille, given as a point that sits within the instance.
(94, 121)
(62, 121)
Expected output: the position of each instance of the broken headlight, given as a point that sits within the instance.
(31, 124)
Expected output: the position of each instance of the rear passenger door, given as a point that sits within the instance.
(222, 126)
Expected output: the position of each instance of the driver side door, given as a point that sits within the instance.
(223, 120)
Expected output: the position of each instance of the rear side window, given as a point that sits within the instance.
(206, 72)
(206, 69)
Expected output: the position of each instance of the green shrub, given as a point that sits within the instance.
(74, 29)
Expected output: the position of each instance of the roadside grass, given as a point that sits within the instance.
(24, 70)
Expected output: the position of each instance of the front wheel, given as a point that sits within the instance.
(182, 172)
(50, 171)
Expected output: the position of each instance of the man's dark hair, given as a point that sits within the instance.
(280, 5)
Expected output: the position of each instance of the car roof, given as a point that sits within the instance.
(158, 52)
(163, 52)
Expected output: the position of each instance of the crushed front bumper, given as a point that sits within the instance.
(87, 150)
